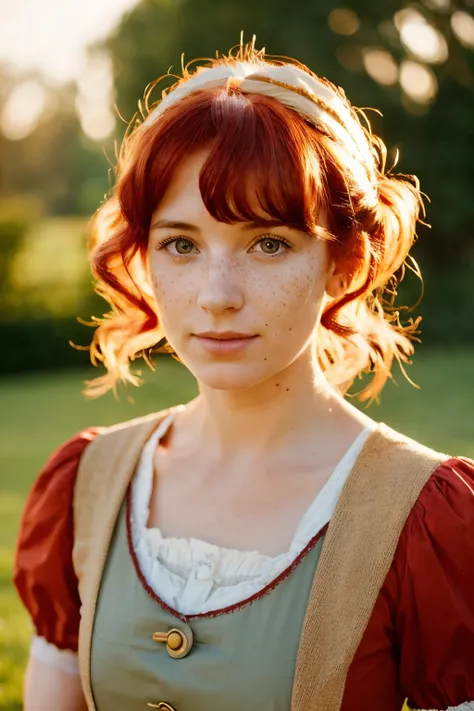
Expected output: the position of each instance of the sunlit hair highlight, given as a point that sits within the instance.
(260, 153)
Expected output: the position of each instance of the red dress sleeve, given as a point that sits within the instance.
(43, 571)
(419, 642)
(434, 567)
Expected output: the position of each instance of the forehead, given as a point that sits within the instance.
(183, 196)
(183, 190)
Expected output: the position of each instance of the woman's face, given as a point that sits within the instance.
(238, 303)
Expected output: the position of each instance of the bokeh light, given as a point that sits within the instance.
(420, 37)
(438, 5)
(95, 97)
(22, 110)
(52, 35)
(343, 21)
(462, 24)
(381, 66)
(418, 81)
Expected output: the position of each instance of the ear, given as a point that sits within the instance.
(336, 284)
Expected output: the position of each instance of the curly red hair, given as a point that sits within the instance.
(263, 150)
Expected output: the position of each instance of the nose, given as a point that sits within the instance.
(221, 288)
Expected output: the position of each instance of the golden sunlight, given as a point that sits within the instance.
(420, 38)
(381, 66)
(22, 110)
(462, 24)
(95, 97)
(343, 21)
(418, 81)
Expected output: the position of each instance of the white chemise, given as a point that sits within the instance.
(193, 576)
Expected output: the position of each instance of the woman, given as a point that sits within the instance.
(266, 545)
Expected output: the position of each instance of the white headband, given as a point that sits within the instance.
(295, 88)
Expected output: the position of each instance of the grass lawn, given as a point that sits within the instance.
(38, 412)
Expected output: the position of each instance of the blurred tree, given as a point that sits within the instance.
(16, 217)
(55, 162)
(403, 58)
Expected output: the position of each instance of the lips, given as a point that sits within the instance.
(223, 336)
(224, 343)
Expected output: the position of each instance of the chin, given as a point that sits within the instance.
(229, 376)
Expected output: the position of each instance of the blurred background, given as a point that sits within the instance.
(71, 75)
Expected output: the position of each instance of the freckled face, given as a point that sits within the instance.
(264, 283)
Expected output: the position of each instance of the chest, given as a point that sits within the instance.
(244, 658)
(239, 506)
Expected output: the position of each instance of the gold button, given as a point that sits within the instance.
(178, 642)
(175, 640)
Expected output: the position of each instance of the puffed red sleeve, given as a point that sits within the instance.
(434, 566)
(43, 571)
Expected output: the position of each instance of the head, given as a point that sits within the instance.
(251, 200)
(255, 276)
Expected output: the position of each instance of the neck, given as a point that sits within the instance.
(286, 409)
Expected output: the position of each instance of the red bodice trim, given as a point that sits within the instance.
(224, 610)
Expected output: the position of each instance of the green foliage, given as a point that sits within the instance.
(56, 162)
(446, 304)
(38, 344)
(50, 274)
(16, 217)
(45, 275)
(45, 285)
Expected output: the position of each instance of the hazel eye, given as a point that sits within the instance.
(269, 245)
(183, 246)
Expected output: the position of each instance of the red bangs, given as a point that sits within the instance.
(263, 158)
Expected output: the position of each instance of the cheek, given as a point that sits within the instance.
(297, 292)
(297, 309)
(171, 287)
(171, 301)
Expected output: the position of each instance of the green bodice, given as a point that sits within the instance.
(242, 659)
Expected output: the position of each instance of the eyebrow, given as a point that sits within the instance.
(189, 227)
(173, 225)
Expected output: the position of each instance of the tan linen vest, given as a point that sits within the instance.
(356, 555)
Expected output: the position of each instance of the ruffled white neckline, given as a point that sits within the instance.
(194, 576)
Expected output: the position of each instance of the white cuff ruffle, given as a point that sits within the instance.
(48, 653)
